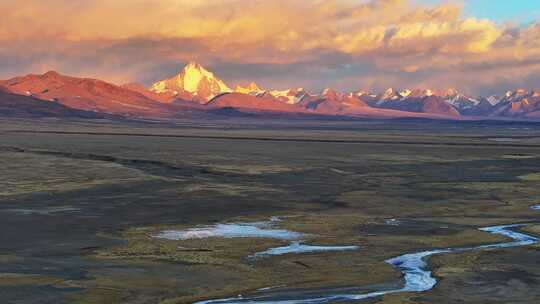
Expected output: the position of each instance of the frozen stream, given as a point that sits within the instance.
(252, 230)
(296, 247)
(417, 276)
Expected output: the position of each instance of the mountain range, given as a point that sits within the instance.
(195, 91)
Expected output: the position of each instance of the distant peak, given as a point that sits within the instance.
(328, 91)
(451, 92)
(390, 93)
(194, 66)
(359, 93)
(195, 80)
(51, 74)
(251, 88)
(422, 93)
(193, 69)
(405, 93)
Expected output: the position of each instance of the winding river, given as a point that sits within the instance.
(414, 267)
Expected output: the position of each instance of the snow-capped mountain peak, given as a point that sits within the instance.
(327, 91)
(389, 94)
(195, 80)
(359, 93)
(405, 93)
(194, 73)
(493, 100)
(252, 89)
(290, 96)
(461, 102)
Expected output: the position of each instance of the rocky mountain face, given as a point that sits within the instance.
(518, 103)
(88, 94)
(252, 103)
(333, 102)
(165, 97)
(419, 101)
(14, 105)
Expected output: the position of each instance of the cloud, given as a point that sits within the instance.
(349, 44)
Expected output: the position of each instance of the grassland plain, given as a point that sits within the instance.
(80, 204)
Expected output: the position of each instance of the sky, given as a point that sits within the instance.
(479, 47)
(520, 11)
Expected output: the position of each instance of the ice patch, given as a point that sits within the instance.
(44, 211)
(270, 288)
(503, 139)
(296, 247)
(392, 222)
(233, 230)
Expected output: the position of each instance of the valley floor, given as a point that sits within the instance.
(81, 205)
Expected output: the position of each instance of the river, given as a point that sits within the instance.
(414, 267)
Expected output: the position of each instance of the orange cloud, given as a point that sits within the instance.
(124, 38)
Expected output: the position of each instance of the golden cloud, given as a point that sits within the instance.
(394, 35)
